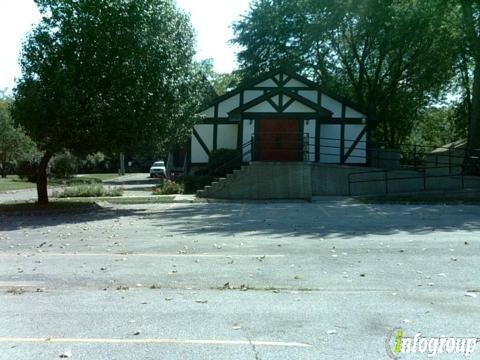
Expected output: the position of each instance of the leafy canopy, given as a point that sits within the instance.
(389, 56)
(107, 75)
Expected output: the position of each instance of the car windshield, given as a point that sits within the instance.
(159, 163)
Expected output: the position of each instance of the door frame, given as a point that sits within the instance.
(301, 125)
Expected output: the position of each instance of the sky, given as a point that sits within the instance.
(211, 19)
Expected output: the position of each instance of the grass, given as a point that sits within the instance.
(82, 180)
(13, 182)
(88, 191)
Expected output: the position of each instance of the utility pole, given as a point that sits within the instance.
(122, 164)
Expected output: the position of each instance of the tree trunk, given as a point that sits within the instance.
(474, 128)
(4, 166)
(474, 40)
(42, 190)
(471, 165)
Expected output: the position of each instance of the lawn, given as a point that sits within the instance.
(12, 182)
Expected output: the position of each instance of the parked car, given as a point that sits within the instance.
(157, 169)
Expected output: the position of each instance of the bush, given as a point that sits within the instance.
(65, 165)
(94, 190)
(27, 169)
(223, 162)
(168, 187)
(193, 183)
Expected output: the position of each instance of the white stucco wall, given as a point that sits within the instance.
(262, 107)
(295, 83)
(209, 113)
(227, 136)
(309, 95)
(299, 107)
(228, 105)
(359, 155)
(351, 113)
(206, 134)
(250, 95)
(330, 143)
(332, 105)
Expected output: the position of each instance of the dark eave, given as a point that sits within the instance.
(320, 110)
(291, 74)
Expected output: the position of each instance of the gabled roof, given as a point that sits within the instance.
(284, 70)
(320, 110)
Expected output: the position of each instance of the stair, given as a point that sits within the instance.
(216, 187)
(264, 181)
(261, 181)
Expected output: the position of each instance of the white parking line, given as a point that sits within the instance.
(45, 254)
(321, 208)
(152, 341)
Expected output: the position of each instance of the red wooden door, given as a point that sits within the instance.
(279, 140)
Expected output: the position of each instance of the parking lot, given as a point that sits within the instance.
(280, 280)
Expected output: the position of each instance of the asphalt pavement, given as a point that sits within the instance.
(320, 280)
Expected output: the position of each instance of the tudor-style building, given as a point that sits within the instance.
(279, 117)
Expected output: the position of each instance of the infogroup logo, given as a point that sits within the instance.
(397, 343)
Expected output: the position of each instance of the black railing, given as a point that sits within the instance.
(417, 158)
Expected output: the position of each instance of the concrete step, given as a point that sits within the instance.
(220, 184)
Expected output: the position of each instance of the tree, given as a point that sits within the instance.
(438, 126)
(104, 75)
(389, 56)
(221, 82)
(471, 17)
(14, 144)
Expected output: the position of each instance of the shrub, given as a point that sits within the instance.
(65, 165)
(193, 183)
(93, 190)
(168, 187)
(27, 169)
(224, 161)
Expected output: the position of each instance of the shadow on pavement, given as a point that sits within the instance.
(316, 219)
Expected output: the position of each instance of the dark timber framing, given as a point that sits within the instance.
(280, 97)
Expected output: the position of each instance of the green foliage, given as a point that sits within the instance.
(94, 162)
(193, 183)
(221, 83)
(389, 56)
(223, 162)
(92, 190)
(27, 169)
(168, 187)
(65, 165)
(438, 126)
(15, 146)
(111, 76)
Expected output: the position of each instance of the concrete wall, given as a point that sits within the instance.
(266, 181)
(304, 180)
